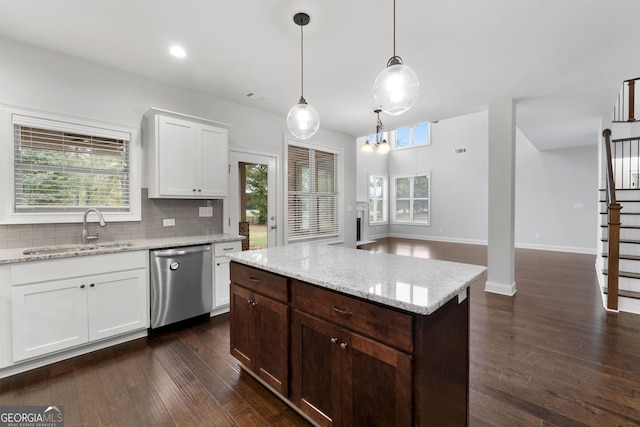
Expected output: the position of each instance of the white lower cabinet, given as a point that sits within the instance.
(221, 274)
(50, 313)
(48, 317)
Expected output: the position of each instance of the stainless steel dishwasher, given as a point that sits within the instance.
(181, 283)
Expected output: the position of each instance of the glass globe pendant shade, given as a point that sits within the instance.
(396, 89)
(303, 120)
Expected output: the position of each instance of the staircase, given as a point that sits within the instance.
(629, 259)
(618, 263)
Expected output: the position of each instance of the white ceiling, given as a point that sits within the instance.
(563, 61)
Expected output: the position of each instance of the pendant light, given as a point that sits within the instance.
(303, 120)
(381, 144)
(397, 87)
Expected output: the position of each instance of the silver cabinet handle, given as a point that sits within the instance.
(334, 340)
(253, 279)
(344, 345)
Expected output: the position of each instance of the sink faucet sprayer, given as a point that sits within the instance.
(86, 238)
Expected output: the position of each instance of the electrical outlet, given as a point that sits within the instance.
(537, 235)
(205, 211)
(168, 222)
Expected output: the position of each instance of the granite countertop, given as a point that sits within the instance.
(8, 256)
(416, 285)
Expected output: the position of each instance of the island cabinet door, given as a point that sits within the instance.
(316, 367)
(243, 335)
(376, 383)
(260, 336)
(272, 329)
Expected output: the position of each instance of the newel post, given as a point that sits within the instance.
(614, 256)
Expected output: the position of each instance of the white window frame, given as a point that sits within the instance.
(8, 215)
(392, 202)
(384, 198)
(339, 153)
(411, 144)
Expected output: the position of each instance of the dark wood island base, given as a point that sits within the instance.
(341, 360)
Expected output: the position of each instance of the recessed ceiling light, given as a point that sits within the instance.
(177, 51)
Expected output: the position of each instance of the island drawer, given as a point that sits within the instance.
(382, 324)
(263, 282)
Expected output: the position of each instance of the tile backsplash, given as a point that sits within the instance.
(185, 213)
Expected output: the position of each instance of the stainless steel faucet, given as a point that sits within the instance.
(86, 238)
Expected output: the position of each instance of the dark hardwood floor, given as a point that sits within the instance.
(549, 356)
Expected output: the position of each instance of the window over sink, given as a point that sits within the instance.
(58, 166)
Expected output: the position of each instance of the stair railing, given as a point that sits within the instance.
(626, 102)
(613, 209)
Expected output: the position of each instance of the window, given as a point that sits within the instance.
(313, 196)
(378, 199)
(62, 166)
(413, 136)
(411, 198)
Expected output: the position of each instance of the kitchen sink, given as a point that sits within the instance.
(74, 248)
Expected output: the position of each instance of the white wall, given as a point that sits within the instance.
(548, 184)
(458, 181)
(35, 78)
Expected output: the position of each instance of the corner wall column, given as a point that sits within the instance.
(501, 247)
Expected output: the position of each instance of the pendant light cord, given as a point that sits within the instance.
(302, 62)
(394, 28)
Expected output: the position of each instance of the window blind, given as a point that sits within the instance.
(312, 194)
(61, 167)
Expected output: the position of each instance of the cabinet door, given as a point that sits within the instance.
(48, 317)
(176, 158)
(316, 368)
(272, 327)
(212, 162)
(221, 281)
(117, 303)
(376, 383)
(242, 334)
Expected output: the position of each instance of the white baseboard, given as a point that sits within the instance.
(437, 239)
(500, 288)
(572, 249)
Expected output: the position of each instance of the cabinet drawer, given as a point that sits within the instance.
(382, 324)
(263, 282)
(222, 249)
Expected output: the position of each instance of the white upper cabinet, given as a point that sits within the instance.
(187, 157)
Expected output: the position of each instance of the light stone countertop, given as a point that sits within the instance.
(8, 256)
(416, 285)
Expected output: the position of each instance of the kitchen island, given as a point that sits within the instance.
(350, 337)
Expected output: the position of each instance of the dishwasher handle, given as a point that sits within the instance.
(181, 251)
